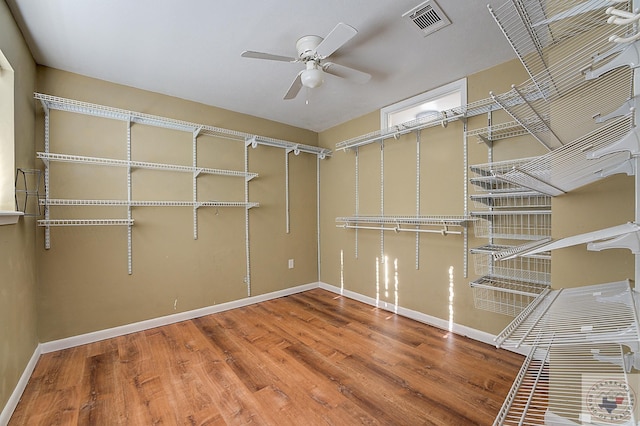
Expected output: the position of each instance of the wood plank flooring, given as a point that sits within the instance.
(313, 358)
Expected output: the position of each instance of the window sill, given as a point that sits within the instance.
(9, 217)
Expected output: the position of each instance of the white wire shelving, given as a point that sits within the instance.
(506, 296)
(580, 56)
(401, 223)
(578, 338)
(432, 119)
(48, 157)
(70, 105)
(602, 313)
(497, 132)
(196, 130)
(535, 268)
(566, 385)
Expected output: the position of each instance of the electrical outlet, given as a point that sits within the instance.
(290, 263)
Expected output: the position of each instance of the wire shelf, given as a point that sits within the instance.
(522, 199)
(429, 120)
(79, 107)
(603, 313)
(503, 295)
(569, 167)
(577, 29)
(498, 132)
(46, 157)
(535, 269)
(565, 385)
(488, 176)
(133, 203)
(513, 225)
(85, 222)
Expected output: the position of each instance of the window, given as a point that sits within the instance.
(446, 97)
(7, 144)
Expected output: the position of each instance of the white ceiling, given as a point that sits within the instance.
(191, 49)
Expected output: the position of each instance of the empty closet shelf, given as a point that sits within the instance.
(520, 199)
(85, 222)
(496, 132)
(125, 203)
(602, 313)
(621, 236)
(79, 107)
(557, 385)
(491, 169)
(534, 269)
(515, 225)
(48, 157)
(505, 296)
(568, 168)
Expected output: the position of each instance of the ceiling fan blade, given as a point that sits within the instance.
(338, 36)
(345, 72)
(268, 56)
(296, 85)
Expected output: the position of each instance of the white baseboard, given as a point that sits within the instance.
(462, 330)
(12, 403)
(82, 339)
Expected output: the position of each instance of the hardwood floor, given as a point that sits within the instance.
(313, 358)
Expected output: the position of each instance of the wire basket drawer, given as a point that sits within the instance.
(515, 225)
(504, 296)
(535, 268)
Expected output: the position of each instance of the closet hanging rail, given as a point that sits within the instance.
(396, 223)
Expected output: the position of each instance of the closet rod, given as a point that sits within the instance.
(444, 232)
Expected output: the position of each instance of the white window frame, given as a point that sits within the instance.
(8, 214)
(431, 95)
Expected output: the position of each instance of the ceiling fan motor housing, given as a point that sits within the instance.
(306, 47)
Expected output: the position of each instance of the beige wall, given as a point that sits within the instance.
(427, 289)
(84, 284)
(18, 336)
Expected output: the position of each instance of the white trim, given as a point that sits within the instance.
(12, 403)
(463, 330)
(9, 217)
(454, 86)
(96, 336)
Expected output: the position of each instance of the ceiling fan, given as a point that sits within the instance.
(312, 51)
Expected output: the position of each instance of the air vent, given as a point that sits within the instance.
(427, 17)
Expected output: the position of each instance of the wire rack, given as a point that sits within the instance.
(534, 269)
(504, 295)
(575, 38)
(570, 166)
(513, 225)
(570, 386)
(603, 313)
(524, 199)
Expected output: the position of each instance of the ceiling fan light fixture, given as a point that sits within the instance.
(312, 77)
